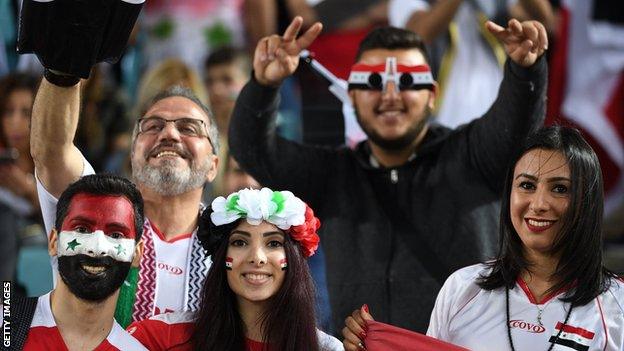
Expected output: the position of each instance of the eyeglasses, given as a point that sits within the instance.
(190, 127)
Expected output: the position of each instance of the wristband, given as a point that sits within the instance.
(61, 80)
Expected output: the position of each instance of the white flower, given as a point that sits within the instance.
(293, 212)
(257, 206)
(221, 215)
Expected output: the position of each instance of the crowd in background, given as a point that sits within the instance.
(206, 45)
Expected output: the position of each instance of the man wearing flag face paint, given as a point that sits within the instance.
(96, 239)
(416, 200)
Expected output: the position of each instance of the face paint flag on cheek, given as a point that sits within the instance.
(95, 244)
(283, 264)
(228, 263)
(377, 77)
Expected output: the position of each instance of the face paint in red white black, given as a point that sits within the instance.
(95, 277)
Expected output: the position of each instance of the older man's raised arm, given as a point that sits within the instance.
(54, 121)
(69, 38)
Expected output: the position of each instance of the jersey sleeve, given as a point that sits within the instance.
(458, 290)
(48, 202)
(328, 342)
(163, 332)
(612, 308)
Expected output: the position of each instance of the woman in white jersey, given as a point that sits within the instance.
(258, 294)
(548, 288)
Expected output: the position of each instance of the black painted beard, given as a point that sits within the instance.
(88, 286)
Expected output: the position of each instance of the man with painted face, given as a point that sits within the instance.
(416, 200)
(96, 239)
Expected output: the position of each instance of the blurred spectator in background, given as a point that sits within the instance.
(166, 74)
(226, 71)
(19, 207)
(586, 90)
(235, 178)
(190, 29)
(467, 60)
(103, 133)
(587, 83)
(8, 33)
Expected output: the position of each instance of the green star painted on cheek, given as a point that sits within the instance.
(72, 245)
(120, 249)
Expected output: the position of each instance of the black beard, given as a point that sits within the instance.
(400, 143)
(92, 287)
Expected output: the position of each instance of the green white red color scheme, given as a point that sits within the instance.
(280, 208)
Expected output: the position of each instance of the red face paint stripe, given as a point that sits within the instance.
(360, 67)
(413, 69)
(368, 68)
(100, 212)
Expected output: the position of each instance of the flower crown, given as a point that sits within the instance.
(281, 208)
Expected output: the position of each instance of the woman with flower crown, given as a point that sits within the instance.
(258, 295)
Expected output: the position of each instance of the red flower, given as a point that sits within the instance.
(305, 233)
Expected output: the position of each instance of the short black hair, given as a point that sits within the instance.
(580, 238)
(226, 55)
(391, 38)
(106, 185)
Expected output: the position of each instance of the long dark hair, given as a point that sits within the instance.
(288, 322)
(580, 238)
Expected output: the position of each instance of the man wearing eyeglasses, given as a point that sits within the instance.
(173, 153)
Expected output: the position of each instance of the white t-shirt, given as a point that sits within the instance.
(474, 76)
(172, 260)
(468, 316)
(44, 334)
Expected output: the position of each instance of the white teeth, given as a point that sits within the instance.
(391, 113)
(93, 269)
(166, 153)
(251, 276)
(539, 223)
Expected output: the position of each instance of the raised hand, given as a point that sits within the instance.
(354, 331)
(524, 42)
(276, 57)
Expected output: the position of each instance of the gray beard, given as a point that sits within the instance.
(166, 180)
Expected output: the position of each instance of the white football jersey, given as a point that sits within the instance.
(468, 316)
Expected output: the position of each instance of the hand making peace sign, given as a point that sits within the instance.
(276, 57)
(524, 42)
